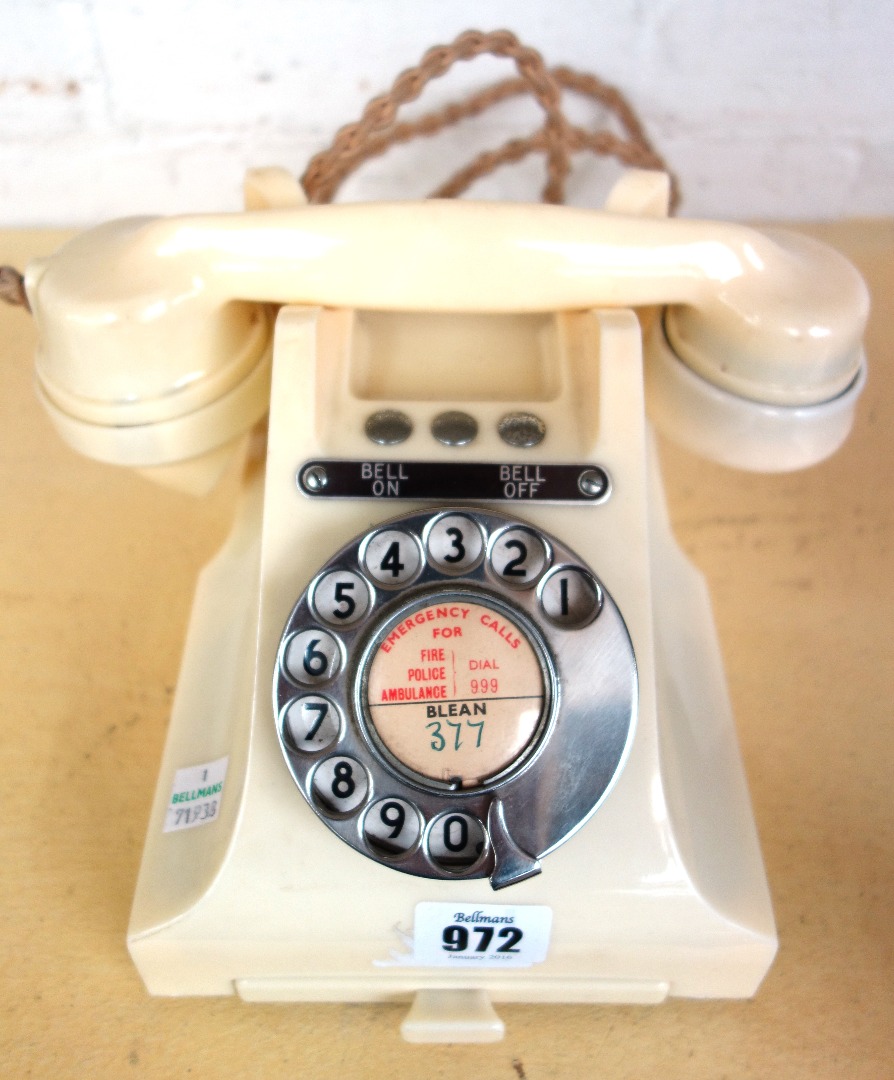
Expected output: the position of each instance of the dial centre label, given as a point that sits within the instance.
(455, 690)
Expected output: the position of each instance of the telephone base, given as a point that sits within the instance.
(660, 892)
(266, 923)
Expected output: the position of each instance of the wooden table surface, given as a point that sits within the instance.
(98, 568)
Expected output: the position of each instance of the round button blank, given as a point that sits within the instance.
(340, 785)
(392, 827)
(311, 723)
(388, 427)
(392, 557)
(454, 428)
(570, 597)
(312, 657)
(455, 544)
(518, 557)
(341, 598)
(521, 429)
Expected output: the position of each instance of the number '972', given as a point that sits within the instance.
(460, 939)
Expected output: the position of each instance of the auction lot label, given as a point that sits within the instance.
(481, 935)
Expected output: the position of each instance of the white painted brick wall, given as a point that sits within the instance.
(767, 108)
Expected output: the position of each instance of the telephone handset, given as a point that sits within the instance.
(155, 334)
(457, 572)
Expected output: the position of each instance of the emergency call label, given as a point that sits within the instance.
(456, 690)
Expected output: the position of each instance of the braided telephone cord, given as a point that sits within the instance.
(12, 287)
(377, 129)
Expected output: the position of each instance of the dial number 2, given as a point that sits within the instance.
(518, 557)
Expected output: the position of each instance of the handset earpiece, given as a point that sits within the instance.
(738, 431)
(721, 390)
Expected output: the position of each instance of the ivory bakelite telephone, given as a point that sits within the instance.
(451, 721)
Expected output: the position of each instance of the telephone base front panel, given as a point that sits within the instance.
(661, 891)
